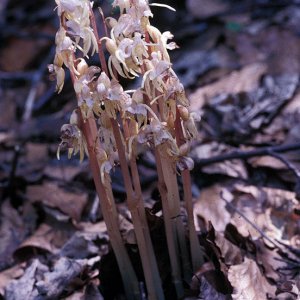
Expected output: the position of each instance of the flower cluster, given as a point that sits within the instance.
(136, 48)
(74, 29)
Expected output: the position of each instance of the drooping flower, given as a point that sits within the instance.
(73, 140)
(75, 18)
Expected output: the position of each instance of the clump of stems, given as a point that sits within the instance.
(110, 123)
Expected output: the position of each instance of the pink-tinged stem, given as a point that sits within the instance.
(197, 253)
(136, 207)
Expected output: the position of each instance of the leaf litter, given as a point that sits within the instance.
(240, 63)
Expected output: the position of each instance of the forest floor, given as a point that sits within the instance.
(240, 63)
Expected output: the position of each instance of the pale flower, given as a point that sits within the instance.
(76, 18)
(124, 27)
(123, 4)
(67, 5)
(189, 126)
(73, 140)
(161, 41)
(154, 75)
(139, 9)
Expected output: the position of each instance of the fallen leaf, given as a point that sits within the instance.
(85, 244)
(269, 260)
(60, 277)
(248, 282)
(230, 252)
(10, 274)
(233, 168)
(24, 287)
(208, 292)
(211, 207)
(50, 194)
(45, 238)
(245, 80)
(66, 173)
(12, 233)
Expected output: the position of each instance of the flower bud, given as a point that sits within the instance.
(111, 46)
(111, 22)
(183, 112)
(184, 149)
(82, 67)
(74, 117)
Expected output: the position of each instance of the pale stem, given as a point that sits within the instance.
(171, 233)
(100, 49)
(135, 203)
(173, 198)
(136, 207)
(110, 213)
(141, 210)
(197, 252)
(172, 240)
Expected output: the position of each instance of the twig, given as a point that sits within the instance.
(286, 162)
(247, 154)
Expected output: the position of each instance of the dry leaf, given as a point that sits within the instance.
(12, 233)
(269, 260)
(244, 80)
(52, 195)
(10, 274)
(248, 282)
(66, 173)
(233, 168)
(44, 238)
(24, 287)
(230, 252)
(261, 220)
(63, 273)
(208, 292)
(211, 207)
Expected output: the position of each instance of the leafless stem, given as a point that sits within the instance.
(197, 252)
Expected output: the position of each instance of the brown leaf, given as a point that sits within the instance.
(44, 238)
(208, 292)
(244, 80)
(87, 243)
(24, 287)
(52, 195)
(66, 173)
(233, 168)
(12, 233)
(10, 274)
(230, 252)
(211, 207)
(61, 276)
(269, 260)
(248, 282)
